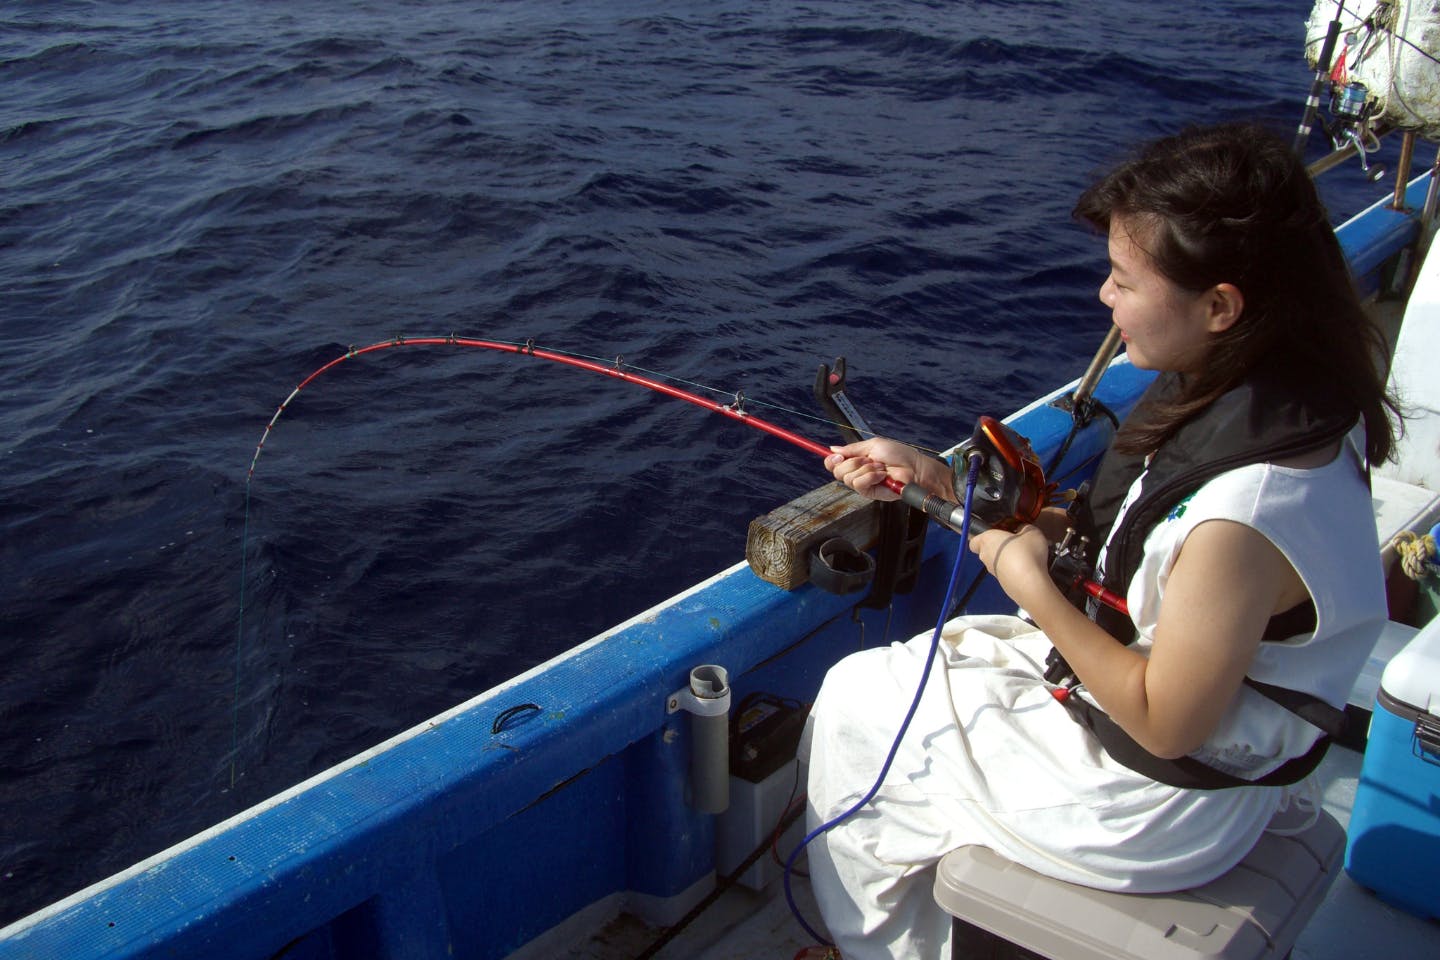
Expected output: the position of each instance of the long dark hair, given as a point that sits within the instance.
(1234, 204)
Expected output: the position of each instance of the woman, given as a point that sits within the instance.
(1240, 476)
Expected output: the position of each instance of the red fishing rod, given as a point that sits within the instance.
(1014, 491)
(735, 410)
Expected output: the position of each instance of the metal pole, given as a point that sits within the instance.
(1086, 387)
(1402, 174)
(1432, 194)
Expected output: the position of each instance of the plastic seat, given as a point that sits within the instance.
(1256, 910)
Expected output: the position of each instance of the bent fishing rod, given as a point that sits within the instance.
(1015, 485)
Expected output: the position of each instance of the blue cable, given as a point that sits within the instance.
(970, 478)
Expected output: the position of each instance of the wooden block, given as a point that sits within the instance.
(778, 545)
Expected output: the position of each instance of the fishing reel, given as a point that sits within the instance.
(1010, 488)
(1352, 110)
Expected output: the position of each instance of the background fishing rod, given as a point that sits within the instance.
(1320, 82)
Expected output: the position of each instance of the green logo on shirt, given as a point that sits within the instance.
(1178, 511)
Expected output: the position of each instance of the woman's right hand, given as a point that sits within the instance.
(864, 466)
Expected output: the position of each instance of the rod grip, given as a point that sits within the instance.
(939, 509)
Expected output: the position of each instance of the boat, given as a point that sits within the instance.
(587, 808)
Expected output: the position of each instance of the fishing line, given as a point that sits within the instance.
(971, 477)
(615, 368)
(239, 631)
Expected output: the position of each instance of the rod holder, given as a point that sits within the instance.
(707, 700)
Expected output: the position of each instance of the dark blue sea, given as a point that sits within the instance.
(202, 202)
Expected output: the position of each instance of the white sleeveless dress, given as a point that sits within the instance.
(992, 759)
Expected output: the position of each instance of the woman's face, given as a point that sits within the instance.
(1164, 326)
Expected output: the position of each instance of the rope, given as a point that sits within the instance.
(1417, 554)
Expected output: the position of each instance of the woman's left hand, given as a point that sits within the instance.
(1019, 560)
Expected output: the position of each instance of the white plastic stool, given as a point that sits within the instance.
(1257, 910)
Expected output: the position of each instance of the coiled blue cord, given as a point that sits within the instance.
(971, 475)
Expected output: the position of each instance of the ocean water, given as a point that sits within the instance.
(203, 202)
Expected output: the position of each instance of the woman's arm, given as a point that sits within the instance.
(1226, 583)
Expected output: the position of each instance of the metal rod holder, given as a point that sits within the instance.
(707, 700)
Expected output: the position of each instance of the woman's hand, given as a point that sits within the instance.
(864, 466)
(1019, 560)
(1171, 700)
(1053, 522)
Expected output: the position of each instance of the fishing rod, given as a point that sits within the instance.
(735, 410)
(1014, 490)
(1319, 83)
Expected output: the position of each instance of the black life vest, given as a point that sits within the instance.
(1264, 419)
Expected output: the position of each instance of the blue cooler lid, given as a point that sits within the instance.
(1410, 684)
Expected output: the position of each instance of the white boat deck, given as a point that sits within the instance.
(1352, 923)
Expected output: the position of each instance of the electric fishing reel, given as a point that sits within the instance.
(1010, 488)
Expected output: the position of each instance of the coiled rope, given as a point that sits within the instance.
(1417, 554)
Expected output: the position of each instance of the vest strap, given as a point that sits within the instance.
(1262, 419)
(1185, 772)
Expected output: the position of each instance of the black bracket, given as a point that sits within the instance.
(898, 556)
(901, 544)
(838, 566)
(830, 394)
